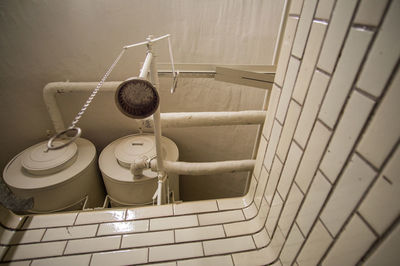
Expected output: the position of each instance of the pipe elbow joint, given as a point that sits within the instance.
(138, 166)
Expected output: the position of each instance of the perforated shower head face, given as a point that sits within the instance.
(137, 98)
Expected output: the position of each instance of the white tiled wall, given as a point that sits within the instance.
(325, 189)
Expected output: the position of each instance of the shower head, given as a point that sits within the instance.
(137, 98)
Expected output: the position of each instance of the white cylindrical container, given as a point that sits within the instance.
(57, 179)
(115, 161)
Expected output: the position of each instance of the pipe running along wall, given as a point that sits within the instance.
(168, 120)
(208, 168)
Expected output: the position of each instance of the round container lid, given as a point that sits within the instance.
(116, 158)
(17, 176)
(131, 148)
(39, 161)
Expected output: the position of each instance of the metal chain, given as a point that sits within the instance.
(99, 85)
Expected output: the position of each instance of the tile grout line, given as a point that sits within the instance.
(357, 213)
(379, 241)
(44, 233)
(65, 248)
(90, 259)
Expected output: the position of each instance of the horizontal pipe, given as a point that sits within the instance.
(209, 168)
(168, 120)
(200, 119)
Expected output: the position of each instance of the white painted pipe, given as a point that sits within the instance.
(168, 120)
(201, 119)
(161, 198)
(208, 168)
(52, 89)
(146, 66)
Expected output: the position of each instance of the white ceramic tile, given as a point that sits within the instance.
(173, 252)
(123, 227)
(199, 233)
(99, 216)
(290, 209)
(309, 61)
(50, 220)
(163, 264)
(9, 219)
(221, 217)
(70, 232)
(22, 237)
(284, 55)
(381, 205)
(350, 125)
(248, 227)
(92, 244)
(35, 250)
(3, 250)
(228, 245)
(147, 239)
(292, 246)
(263, 256)
(313, 202)
(324, 9)
(345, 73)
(82, 260)
(303, 28)
(195, 207)
(384, 54)
(289, 169)
(312, 155)
(295, 7)
(261, 239)
(311, 106)
(273, 180)
(370, 12)
(260, 157)
(315, 246)
(287, 89)
(149, 212)
(207, 261)
(388, 251)
(120, 257)
(273, 215)
(338, 25)
(384, 127)
(273, 143)
(277, 242)
(351, 245)
(234, 203)
(173, 222)
(356, 178)
(250, 212)
(273, 104)
(288, 130)
(250, 193)
(261, 187)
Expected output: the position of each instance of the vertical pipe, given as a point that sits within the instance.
(146, 65)
(156, 116)
(157, 133)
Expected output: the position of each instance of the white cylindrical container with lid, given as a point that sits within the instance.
(115, 161)
(56, 179)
